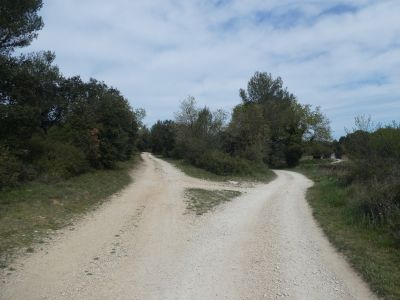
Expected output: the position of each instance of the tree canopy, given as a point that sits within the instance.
(270, 127)
(19, 23)
(53, 127)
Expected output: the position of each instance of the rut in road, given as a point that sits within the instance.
(143, 245)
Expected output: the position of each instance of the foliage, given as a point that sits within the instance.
(220, 163)
(56, 127)
(19, 22)
(338, 148)
(247, 135)
(198, 130)
(269, 128)
(163, 137)
(288, 123)
(319, 150)
(375, 170)
(143, 140)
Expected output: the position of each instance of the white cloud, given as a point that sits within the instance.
(158, 52)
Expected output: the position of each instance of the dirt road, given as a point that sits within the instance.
(143, 245)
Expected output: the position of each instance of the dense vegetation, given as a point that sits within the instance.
(52, 127)
(374, 174)
(268, 128)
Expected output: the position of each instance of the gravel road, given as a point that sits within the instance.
(142, 244)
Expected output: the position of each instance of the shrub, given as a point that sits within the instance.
(60, 161)
(377, 199)
(10, 169)
(293, 155)
(375, 171)
(222, 164)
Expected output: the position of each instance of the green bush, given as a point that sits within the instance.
(10, 169)
(221, 163)
(375, 171)
(60, 161)
(293, 155)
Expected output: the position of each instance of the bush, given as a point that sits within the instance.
(221, 163)
(61, 161)
(377, 199)
(375, 171)
(293, 155)
(10, 169)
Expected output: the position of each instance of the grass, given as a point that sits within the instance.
(30, 212)
(370, 248)
(201, 201)
(262, 174)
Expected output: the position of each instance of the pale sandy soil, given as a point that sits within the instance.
(142, 244)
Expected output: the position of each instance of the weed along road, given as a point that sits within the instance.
(145, 244)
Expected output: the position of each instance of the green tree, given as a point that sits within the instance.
(198, 130)
(19, 23)
(248, 135)
(282, 115)
(144, 139)
(317, 133)
(162, 137)
(289, 123)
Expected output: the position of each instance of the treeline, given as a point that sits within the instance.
(52, 127)
(268, 128)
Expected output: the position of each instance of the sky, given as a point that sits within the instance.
(343, 56)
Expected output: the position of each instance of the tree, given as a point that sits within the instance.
(289, 123)
(198, 130)
(281, 114)
(29, 97)
(317, 133)
(19, 22)
(143, 141)
(247, 135)
(187, 113)
(162, 137)
(316, 125)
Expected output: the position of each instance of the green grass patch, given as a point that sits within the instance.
(261, 174)
(201, 201)
(369, 247)
(29, 212)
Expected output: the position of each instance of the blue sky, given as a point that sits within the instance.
(341, 55)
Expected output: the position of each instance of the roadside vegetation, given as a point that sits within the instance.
(201, 201)
(357, 203)
(268, 129)
(52, 127)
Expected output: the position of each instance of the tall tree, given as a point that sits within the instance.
(281, 114)
(19, 23)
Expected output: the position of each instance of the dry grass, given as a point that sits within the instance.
(201, 201)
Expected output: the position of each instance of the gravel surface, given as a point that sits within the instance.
(143, 245)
